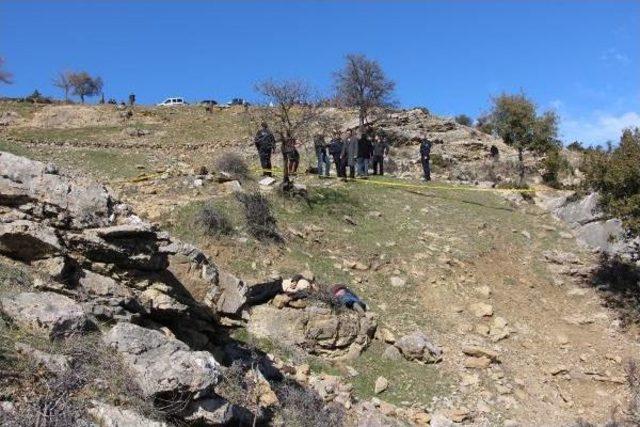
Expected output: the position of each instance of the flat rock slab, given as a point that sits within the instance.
(162, 365)
(112, 416)
(52, 314)
(28, 240)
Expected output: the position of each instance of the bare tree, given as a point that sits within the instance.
(63, 81)
(362, 84)
(292, 107)
(292, 111)
(5, 76)
(84, 85)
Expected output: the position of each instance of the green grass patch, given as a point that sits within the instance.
(408, 381)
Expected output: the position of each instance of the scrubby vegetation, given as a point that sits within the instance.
(555, 164)
(463, 119)
(615, 174)
(303, 408)
(233, 164)
(261, 223)
(213, 221)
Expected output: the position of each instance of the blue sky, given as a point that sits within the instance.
(580, 57)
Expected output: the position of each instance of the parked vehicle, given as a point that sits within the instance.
(170, 102)
(208, 102)
(238, 101)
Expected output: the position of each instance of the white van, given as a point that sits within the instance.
(170, 102)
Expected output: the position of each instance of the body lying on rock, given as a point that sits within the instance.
(348, 298)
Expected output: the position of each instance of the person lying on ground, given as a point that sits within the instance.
(348, 298)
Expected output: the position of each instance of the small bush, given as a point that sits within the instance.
(213, 222)
(464, 120)
(576, 146)
(260, 221)
(302, 407)
(233, 164)
(555, 164)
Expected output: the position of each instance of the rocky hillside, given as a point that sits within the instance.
(122, 305)
(87, 284)
(76, 134)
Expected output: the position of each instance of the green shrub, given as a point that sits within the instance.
(213, 222)
(260, 221)
(615, 174)
(576, 146)
(233, 164)
(555, 163)
(464, 120)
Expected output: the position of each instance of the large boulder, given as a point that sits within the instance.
(232, 294)
(416, 346)
(161, 365)
(315, 329)
(53, 314)
(589, 224)
(579, 212)
(70, 202)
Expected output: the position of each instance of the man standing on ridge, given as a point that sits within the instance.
(349, 153)
(425, 157)
(266, 145)
(365, 149)
(380, 151)
(324, 163)
(335, 148)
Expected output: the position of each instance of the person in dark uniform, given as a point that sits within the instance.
(364, 152)
(132, 99)
(380, 151)
(335, 148)
(266, 145)
(349, 154)
(425, 157)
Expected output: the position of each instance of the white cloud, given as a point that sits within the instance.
(598, 128)
(613, 55)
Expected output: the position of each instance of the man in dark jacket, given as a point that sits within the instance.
(349, 154)
(335, 148)
(365, 149)
(266, 145)
(425, 156)
(380, 151)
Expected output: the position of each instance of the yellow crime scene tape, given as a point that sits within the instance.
(371, 180)
(377, 181)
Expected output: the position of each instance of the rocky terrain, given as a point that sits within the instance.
(481, 309)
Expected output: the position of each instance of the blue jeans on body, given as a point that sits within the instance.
(324, 162)
(363, 166)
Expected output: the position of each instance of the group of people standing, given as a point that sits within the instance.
(355, 151)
